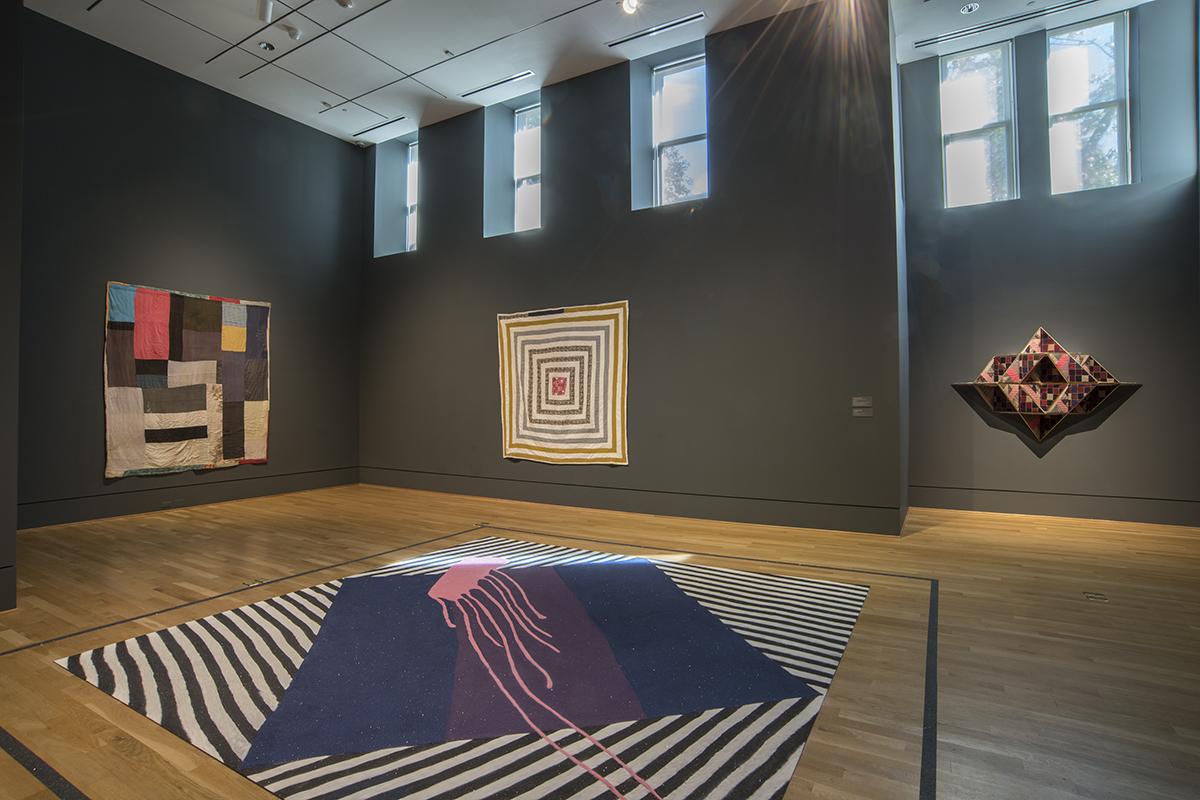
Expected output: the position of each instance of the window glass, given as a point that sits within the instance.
(410, 217)
(679, 122)
(527, 168)
(978, 136)
(1087, 83)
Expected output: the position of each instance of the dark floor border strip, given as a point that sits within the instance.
(234, 591)
(632, 489)
(929, 736)
(1054, 494)
(35, 766)
(101, 495)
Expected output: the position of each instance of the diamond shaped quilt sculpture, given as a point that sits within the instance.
(501, 668)
(1044, 385)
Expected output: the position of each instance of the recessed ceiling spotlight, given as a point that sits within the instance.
(346, 3)
(629, 6)
(264, 45)
(969, 8)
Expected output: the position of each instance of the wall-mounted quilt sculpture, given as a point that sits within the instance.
(186, 381)
(1044, 386)
(563, 375)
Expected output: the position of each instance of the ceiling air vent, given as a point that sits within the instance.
(984, 27)
(657, 29)
(378, 125)
(520, 76)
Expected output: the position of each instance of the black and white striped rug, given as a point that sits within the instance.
(449, 675)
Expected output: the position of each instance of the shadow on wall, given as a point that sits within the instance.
(1072, 424)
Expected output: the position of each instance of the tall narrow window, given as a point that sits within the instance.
(527, 168)
(679, 122)
(1088, 79)
(410, 213)
(978, 141)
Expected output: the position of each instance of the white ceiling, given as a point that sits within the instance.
(917, 21)
(382, 68)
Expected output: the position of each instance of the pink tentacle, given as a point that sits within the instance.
(466, 601)
(516, 638)
(528, 624)
(445, 611)
(530, 722)
(525, 688)
(513, 581)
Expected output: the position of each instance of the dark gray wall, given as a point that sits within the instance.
(1111, 272)
(755, 314)
(10, 272)
(136, 173)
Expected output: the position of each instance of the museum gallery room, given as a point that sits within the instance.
(593, 399)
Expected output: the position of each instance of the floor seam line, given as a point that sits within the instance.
(231, 592)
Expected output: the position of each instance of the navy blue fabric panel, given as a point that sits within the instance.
(677, 656)
(379, 675)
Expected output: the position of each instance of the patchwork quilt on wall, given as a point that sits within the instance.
(186, 381)
(563, 378)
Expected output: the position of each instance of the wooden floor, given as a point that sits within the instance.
(1041, 693)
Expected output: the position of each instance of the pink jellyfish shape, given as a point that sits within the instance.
(466, 586)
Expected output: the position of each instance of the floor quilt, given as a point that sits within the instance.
(501, 669)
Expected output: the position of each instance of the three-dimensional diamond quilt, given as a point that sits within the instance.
(1044, 384)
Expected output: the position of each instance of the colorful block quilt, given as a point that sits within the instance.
(186, 381)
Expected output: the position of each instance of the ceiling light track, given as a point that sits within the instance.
(985, 27)
(520, 76)
(657, 29)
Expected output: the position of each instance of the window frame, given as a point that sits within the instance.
(410, 201)
(1120, 102)
(656, 74)
(528, 180)
(1009, 125)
